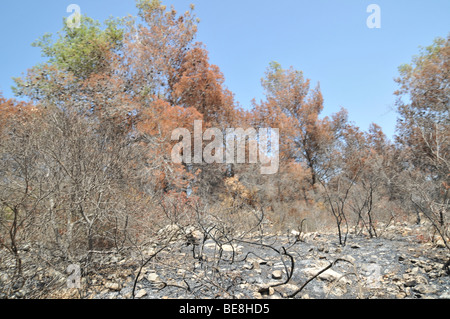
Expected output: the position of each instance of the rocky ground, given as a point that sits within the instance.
(394, 266)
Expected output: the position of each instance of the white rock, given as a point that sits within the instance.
(197, 235)
(141, 293)
(181, 272)
(425, 289)
(329, 275)
(277, 274)
(225, 248)
(152, 277)
(113, 286)
(287, 289)
(266, 290)
(230, 248)
(295, 233)
(440, 243)
(350, 259)
(445, 295)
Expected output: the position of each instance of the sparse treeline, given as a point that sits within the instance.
(86, 163)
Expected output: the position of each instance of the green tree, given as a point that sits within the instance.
(75, 55)
(424, 132)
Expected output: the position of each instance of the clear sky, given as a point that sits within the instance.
(327, 39)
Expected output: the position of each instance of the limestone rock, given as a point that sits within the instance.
(225, 248)
(153, 277)
(141, 293)
(329, 275)
(266, 290)
(445, 295)
(287, 289)
(440, 243)
(277, 274)
(425, 289)
(295, 233)
(113, 286)
(349, 258)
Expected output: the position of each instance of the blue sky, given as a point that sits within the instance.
(327, 39)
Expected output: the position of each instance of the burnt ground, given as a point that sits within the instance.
(394, 266)
(398, 264)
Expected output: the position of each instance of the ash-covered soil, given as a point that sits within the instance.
(396, 265)
(393, 266)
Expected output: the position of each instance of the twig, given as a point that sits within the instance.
(314, 277)
(145, 264)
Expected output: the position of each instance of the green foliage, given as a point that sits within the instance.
(82, 51)
(427, 54)
(148, 5)
(278, 79)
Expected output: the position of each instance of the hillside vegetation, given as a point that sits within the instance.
(87, 176)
